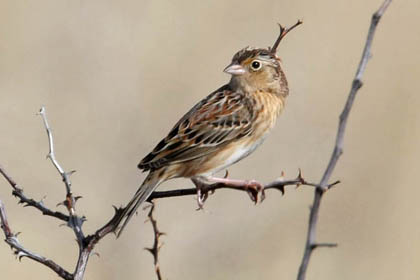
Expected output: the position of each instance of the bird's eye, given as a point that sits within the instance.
(256, 65)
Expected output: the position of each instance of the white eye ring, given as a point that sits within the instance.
(256, 65)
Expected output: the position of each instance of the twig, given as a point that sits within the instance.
(21, 251)
(18, 192)
(75, 222)
(278, 184)
(283, 33)
(86, 244)
(154, 250)
(338, 148)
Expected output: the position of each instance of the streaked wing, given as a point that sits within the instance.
(222, 117)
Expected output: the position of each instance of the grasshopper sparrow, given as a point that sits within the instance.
(223, 128)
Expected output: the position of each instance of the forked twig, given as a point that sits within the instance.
(74, 222)
(23, 199)
(283, 32)
(20, 251)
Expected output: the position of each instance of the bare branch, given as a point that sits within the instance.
(278, 184)
(21, 251)
(338, 148)
(18, 192)
(283, 33)
(154, 250)
(74, 222)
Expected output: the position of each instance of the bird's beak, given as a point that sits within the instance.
(234, 69)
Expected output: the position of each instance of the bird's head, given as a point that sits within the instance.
(259, 69)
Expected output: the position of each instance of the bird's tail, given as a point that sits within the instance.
(149, 185)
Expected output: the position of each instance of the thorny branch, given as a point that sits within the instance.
(207, 189)
(87, 243)
(338, 148)
(154, 250)
(18, 192)
(21, 252)
(74, 222)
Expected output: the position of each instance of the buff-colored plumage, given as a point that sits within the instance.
(223, 128)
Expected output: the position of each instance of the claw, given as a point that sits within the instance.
(201, 195)
(262, 195)
(253, 188)
(201, 198)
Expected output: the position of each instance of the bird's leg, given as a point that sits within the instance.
(202, 191)
(252, 187)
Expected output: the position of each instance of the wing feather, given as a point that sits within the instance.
(220, 118)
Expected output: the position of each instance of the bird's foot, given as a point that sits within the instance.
(252, 187)
(202, 192)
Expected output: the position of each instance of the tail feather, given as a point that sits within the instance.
(149, 185)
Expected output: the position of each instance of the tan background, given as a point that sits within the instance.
(116, 75)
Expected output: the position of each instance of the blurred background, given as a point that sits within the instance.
(116, 75)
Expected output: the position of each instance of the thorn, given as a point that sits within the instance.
(327, 245)
(282, 175)
(117, 209)
(17, 234)
(299, 179)
(282, 190)
(78, 197)
(333, 184)
(226, 174)
(20, 255)
(63, 203)
(41, 110)
(71, 172)
(281, 27)
(95, 254)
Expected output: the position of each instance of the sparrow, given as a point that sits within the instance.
(223, 128)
